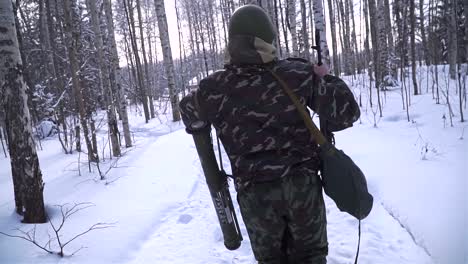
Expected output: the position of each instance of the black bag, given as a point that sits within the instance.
(342, 179)
(344, 182)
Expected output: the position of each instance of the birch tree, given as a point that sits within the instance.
(319, 20)
(292, 21)
(331, 14)
(167, 55)
(26, 172)
(304, 31)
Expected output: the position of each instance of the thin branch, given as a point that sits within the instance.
(29, 240)
(93, 227)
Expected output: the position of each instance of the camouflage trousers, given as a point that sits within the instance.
(286, 220)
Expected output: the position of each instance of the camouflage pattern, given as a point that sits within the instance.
(273, 156)
(286, 219)
(259, 126)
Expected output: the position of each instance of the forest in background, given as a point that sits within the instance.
(80, 57)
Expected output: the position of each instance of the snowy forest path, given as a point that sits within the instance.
(192, 235)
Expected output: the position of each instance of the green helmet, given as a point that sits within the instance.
(252, 20)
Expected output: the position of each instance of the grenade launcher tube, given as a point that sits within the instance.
(219, 190)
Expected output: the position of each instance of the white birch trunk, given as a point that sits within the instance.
(383, 46)
(292, 21)
(167, 55)
(319, 21)
(27, 176)
(304, 31)
(335, 65)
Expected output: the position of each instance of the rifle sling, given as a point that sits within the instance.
(319, 138)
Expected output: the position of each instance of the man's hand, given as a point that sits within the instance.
(321, 70)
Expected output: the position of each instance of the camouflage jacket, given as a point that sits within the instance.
(262, 132)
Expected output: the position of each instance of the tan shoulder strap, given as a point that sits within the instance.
(302, 111)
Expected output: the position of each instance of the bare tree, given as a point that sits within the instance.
(73, 35)
(115, 77)
(168, 62)
(105, 80)
(139, 71)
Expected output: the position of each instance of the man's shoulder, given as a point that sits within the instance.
(215, 76)
(295, 64)
(298, 67)
(297, 59)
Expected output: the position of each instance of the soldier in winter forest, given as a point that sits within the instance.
(273, 156)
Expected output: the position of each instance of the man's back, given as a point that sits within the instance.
(261, 130)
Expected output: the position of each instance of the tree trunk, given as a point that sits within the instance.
(391, 47)
(115, 77)
(181, 48)
(383, 47)
(278, 35)
(139, 72)
(413, 46)
(319, 20)
(284, 27)
(423, 32)
(292, 21)
(148, 88)
(304, 32)
(167, 54)
(104, 76)
(452, 34)
(331, 14)
(71, 22)
(374, 26)
(27, 176)
(354, 42)
(368, 55)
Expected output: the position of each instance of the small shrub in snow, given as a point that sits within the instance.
(57, 238)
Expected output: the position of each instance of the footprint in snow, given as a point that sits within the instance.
(184, 219)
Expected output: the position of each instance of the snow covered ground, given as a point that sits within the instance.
(161, 211)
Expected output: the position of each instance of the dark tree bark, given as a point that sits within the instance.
(73, 36)
(139, 71)
(413, 46)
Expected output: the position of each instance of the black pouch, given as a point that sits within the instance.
(344, 182)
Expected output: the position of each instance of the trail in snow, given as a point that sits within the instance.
(192, 235)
